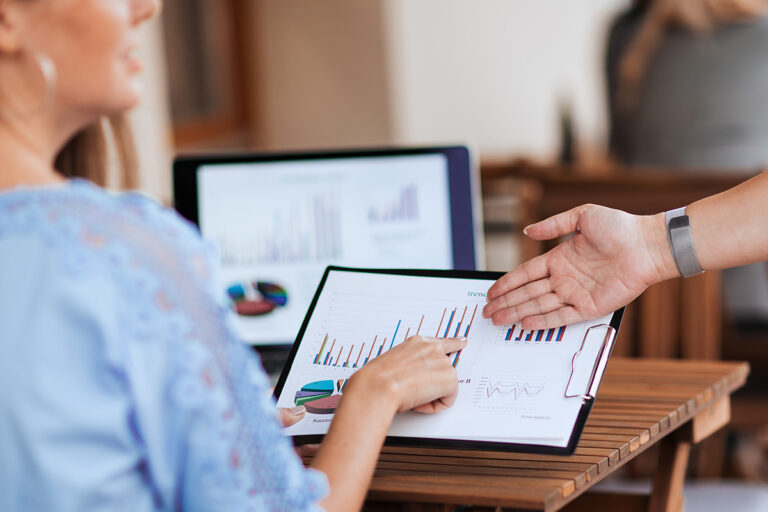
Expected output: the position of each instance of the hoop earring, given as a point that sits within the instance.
(50, 77)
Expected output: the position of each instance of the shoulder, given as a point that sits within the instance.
(126, 241)
(82, 219)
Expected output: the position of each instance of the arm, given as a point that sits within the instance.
(614, 256)
(415, 375)
(731, 228)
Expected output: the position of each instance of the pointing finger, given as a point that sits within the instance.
(451, 345)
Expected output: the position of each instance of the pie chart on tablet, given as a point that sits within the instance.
(257, 298)
(318, 397)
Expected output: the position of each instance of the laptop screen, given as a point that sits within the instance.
(278, 222)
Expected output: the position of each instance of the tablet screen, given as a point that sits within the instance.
(513, 384)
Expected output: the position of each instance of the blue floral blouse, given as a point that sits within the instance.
(122, 386)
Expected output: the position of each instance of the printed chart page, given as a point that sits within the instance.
(512, 382)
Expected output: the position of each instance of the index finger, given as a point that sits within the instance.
(531, 270)
(451, 345)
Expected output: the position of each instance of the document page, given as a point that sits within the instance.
(512, 382)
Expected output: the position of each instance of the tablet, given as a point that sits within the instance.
(518, 390)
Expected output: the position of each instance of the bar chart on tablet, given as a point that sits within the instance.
(354, 352)
(515, 334)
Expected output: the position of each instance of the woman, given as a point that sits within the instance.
(121, 384)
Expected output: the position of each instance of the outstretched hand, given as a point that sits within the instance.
(611, 258)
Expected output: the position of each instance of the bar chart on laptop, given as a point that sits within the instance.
(303, 230)
(404, 207)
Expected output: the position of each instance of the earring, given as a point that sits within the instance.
(50, 77)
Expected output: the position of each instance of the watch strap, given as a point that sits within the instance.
(681, 242)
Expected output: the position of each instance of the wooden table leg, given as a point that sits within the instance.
(667, 491)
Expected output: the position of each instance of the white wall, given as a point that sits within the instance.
(491, 72)
(322, 77)
(151, 120)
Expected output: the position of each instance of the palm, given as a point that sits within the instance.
(598, 270)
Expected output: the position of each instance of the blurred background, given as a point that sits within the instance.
(643, 106)
(301, 74)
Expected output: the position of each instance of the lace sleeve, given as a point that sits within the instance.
(229, 450)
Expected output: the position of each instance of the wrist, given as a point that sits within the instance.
(662, 260)
(377, 393)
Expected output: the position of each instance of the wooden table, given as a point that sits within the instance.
(641, 403)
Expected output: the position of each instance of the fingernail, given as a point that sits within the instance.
(462, 338)
(298, 411)
(525, 229)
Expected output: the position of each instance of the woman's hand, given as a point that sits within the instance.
(291, 416)
(415, 375)
(611, 258)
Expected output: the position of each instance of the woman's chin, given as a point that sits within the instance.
(127, 102)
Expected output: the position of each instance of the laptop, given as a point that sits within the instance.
(279, 219)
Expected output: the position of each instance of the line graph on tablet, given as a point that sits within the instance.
(508, 392)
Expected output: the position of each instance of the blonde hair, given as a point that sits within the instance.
(692, 15)
(87, 154)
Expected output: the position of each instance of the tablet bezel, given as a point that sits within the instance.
(437, 442)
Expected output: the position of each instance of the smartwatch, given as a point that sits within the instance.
(681, 242)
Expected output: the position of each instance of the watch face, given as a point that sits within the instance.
(678, 222)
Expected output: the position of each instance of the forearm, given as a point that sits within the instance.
(731, 228)
(728, 230)
(350, 449)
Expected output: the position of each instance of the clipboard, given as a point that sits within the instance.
(586, 364)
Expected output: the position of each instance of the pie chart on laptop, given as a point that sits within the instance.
(318, 397)
(257, 298)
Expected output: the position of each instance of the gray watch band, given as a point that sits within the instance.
(681, 242)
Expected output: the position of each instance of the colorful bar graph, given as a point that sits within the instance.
(358, 356)
(328, 355)
(469, 326)
(450, 321)
(544, 335)
(381, 347)
(455, 326)
(392, 343)
(339, 356)
(370, 352)
(346, 363)
(471, 321)
(437, 333)
(320, 353)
